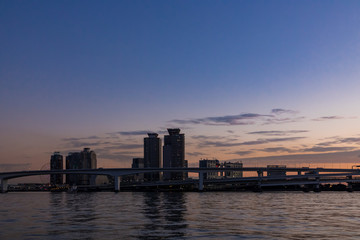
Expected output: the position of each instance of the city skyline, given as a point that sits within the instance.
(252, 81)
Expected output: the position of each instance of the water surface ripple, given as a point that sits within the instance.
(180, 215)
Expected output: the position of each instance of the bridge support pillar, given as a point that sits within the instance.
(350, 184)
(4, 186)
(117, 180)
(299, 173)
(201, 181)
(317, 186)
(260, 176)
(93, 180)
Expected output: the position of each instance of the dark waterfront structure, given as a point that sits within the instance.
(138, 163)
(85, 159)
(152, 155)
(232, 174)
(56, 163)
(206, 163)
(276, 170)
(174, 154)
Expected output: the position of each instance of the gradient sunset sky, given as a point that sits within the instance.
(263, 82)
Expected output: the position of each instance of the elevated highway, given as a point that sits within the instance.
(301, 176)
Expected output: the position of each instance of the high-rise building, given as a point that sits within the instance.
(56, 163)
(89, 161)
(73, 161)
(138, 163)
(174, 154)
(85, 159)
(152, 155)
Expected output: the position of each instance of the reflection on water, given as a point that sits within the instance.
(75, 210)
(176, 215)
(165, 212)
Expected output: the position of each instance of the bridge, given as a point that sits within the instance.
(302, 176)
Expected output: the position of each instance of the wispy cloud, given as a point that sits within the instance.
(243, 153)
(247, 143)
(195, 154)
(325, 118)
(82, 138)
(240, 119)
(277, 133)
(137, 132)
(328, 149)
(282, 111)
(317, 157)
(278, 149)
(8, 167)
(244, 119)
(338, 140)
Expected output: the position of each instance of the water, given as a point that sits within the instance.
(176, 215)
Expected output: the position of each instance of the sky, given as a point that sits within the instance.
(262, 82)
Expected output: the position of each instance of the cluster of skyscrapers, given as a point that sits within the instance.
(173, 153)
(156, 155)
(85, 159)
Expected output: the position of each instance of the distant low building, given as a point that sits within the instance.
(206, 163)
(276, 170)
(230, 173)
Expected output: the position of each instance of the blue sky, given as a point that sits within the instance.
(82, 73)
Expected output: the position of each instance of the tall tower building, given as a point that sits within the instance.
(174, 154)
(73, 161)
(56, 163)
(85, 159)
(152, 155)
(88, 159)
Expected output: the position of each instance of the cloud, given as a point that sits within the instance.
(10, 167)
(120, 156)
(138, 132)
(200, 137)
(195, 154)
(135, 133)
(243, 119)
(345, 157)
(243, 153)
(328, 149)
(337, 140)
(278, 133)
(81, 144)
(278, 149)
(283, 120)
(126, 146)
(256, 142)
(83, 138)
(240, 119)
(328, 118)
(282, 111)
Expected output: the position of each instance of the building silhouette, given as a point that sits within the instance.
(85, 159)
(138, 163)
(174, 154)
(206, 163)
(152, 156)
(231, 173)
(56, 163)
